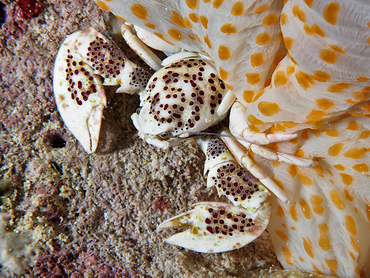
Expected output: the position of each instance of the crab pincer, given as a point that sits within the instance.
(217, 227)
(86, 62)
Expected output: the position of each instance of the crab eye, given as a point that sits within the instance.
(138, 110)
(164, 135)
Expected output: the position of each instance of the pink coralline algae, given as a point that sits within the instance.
(160, 203)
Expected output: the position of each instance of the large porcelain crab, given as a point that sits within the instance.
(319, 91)
(184, 96)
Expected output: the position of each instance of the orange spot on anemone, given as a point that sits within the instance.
(174, 34)
(228, 28)
(192, 4)
(102, 5)
(237, 9)
(330, 13)
(256, 59)
(224, 52)
(268, 108)
(139, 11)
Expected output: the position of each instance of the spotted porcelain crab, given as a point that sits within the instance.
(182, 97)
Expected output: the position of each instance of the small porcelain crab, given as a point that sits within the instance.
(183, 97)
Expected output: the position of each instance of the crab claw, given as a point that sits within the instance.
(217, 227)
(82, 59)
(79, 94)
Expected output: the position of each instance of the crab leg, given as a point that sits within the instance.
(79, 92)
(252, 140)
(226, 103)
(139, 47)
(239, 127)
(155, 42)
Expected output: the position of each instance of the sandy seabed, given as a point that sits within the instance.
(69, 214)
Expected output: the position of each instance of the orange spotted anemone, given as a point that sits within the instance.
(298, 66)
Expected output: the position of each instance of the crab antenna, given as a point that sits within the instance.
(288, 159)
(205, 133)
